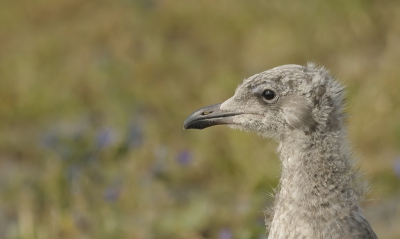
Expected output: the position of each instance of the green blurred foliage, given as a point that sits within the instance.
(93, 95)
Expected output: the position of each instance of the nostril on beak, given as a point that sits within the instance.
(206, 112)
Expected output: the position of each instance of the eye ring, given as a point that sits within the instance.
(268, 95)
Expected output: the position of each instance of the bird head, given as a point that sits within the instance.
(283, 99)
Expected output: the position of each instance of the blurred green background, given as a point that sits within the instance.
(93, 95)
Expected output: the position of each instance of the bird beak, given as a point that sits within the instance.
(209, 116)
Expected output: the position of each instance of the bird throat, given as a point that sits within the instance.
(316, 188)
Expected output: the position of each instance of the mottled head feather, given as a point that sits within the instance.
(308, 99)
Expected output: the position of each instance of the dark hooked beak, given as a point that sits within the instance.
(209, 116)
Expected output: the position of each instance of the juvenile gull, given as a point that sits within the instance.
(302, 108)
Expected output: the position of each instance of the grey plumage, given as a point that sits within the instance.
(319, 190)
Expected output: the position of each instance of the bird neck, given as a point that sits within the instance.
(316, 186)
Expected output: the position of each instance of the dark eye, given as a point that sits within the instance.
(268, 94)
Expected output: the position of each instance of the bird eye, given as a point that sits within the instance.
(268, 94)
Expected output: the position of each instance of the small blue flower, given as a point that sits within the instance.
(105, 138)
(112, 193)
(225, 233)
(184, 157)
(397, 166)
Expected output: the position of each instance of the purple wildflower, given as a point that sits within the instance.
(397, 166)
(184, 157)
(112, 193)
(225, 233)
(105, 138)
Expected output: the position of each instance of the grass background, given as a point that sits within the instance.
(93, 95)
